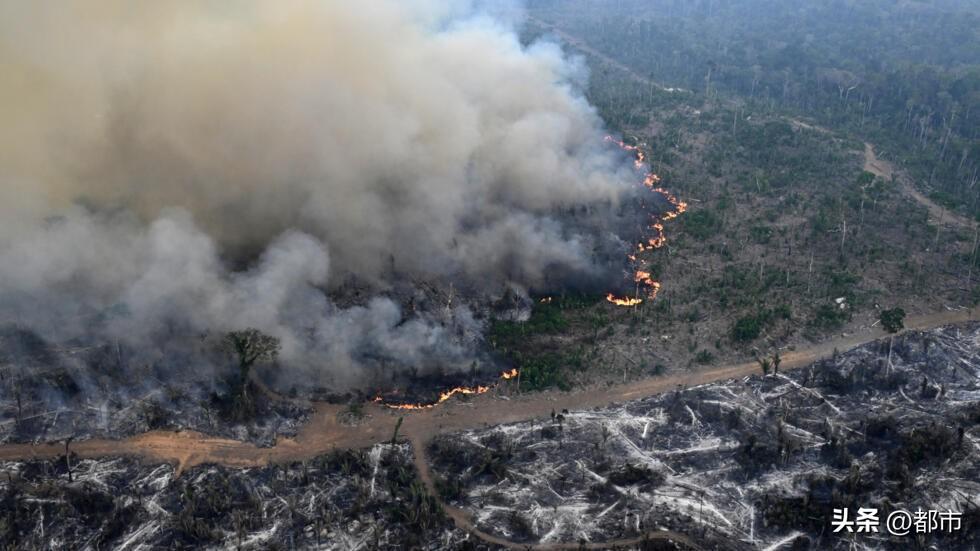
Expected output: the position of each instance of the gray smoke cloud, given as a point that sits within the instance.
(181, 167)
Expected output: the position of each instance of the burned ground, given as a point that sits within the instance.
(55, 392)
(743, 464)
(369, 499)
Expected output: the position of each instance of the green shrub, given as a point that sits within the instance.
(747, 328)
(893, 320)
(760, 234)
(543, 372)
(829, 316)
(704, 357)
(702, 224)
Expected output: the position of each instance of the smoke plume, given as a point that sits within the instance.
(175, 168)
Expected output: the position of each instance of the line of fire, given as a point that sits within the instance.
(646, 287)
(645, 284)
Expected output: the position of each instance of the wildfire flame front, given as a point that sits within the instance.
(655, 241)
(447, 394)
(641, 277)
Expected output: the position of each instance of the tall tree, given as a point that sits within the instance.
(251, 346)
(893, 320)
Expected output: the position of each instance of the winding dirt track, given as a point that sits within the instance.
(872, 163)
(324, 433)
(582, 46)
(886, 170)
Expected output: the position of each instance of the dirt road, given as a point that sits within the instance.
(324, 432)
(872, 163)
(581, 46)
(886, 170)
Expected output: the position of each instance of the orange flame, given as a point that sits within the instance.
(640, 156)
(447, 394)
(624, 301)
(658, 239)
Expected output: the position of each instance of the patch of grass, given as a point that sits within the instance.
(841, 283)
(704, 357)
(829, 316)
(543, 371)
(546, 318)
(530, 345)
(760, 234)
(748, 328)
(702, 224)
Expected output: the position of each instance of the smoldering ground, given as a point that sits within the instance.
(184, 169)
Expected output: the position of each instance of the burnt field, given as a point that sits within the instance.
(752, 463)
(51, 392)
(745, 464)
(365, 499)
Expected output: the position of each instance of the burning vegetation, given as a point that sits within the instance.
(447, 394)
(222, 189)
(646, 286)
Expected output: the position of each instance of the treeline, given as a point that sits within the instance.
(904, 75)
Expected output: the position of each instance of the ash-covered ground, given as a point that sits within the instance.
(89, 388)
(370, 499)
(758, 463)
(52, 392)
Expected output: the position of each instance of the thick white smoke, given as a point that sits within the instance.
(203, 166)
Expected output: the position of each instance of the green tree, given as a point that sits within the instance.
(765, 364)
(893, 320)
(251, 346)
(747, 328)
